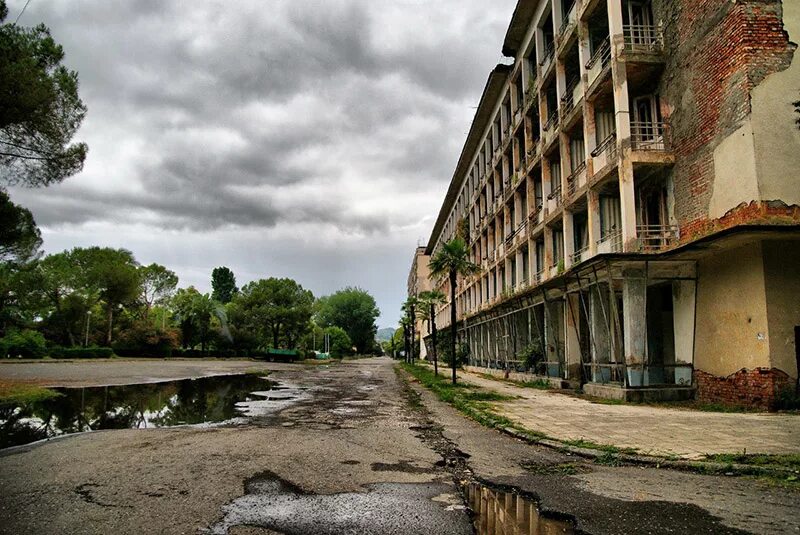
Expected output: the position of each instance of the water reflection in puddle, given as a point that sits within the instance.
(190, 401)
(505, 513)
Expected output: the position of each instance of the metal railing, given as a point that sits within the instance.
(538, 276)
(573, 182)
(609, 143)
(602, 55)
(643, 38)
(578, 256)
(656, 237)
(568, 100)
(569, 18)
(555, 195)
(548, 54)
(650, 136)
(552, 121)
(610, 242)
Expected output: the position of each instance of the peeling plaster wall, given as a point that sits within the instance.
(782, 279)
(732, 327)
(776, 135)
(735, 179)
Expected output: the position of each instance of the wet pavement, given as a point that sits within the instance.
(353, 449)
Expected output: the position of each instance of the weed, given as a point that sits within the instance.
(17, 394)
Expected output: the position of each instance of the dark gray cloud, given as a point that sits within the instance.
(325, 129)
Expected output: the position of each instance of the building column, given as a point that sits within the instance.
(569, 238)
(593, 220)
(601, 347)
(634, 303)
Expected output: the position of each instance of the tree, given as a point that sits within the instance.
(276, 309)
(20, 238)
(40, 109)
(450, 262)
(355, 311)
(157, 286)
(410, 308)
(112, 273)
(223, 285)
(195, 312)
(428, 301)
(340, 344)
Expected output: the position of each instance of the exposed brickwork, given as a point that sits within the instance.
(752, 388)
(754, 213)
(717, 52)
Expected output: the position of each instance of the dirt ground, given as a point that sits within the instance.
(360, 451)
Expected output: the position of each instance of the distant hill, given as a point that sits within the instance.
(385, 334)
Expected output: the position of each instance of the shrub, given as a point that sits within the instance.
(25, 343)
(788, 399)
(81, 352)
(143, 339)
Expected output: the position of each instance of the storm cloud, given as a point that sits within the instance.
(311, 139)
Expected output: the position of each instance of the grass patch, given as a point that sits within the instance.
(539, 384)
(469, 399)
(17, 394)
(565, 469)
(788, 461)
(588, 444)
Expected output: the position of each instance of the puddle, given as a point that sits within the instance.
(401, 508)
(188, 402)
(506, 513)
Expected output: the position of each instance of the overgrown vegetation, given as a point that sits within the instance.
(18, 394)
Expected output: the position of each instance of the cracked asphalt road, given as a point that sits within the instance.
(364, 453)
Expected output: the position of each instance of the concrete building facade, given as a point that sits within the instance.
(630, 187)
(418, 282)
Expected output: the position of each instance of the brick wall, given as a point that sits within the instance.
(753, 213)
(752, 388)
(717, 51)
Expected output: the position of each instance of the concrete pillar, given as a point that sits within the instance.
(627, 203)
(593, 222)
(572, 356)
(618, 71)
(548, 251)
(547, 185)
(601, 347)
(569, 238)
(634, 302)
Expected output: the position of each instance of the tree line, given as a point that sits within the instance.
(102, 297)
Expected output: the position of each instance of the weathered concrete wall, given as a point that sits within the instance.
(776, 135)
(782, 281)
(732, 327)
(722, 56)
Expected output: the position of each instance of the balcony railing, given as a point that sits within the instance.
(601, 57)
(555, 196)
(538, 276)
(610, 242)
(578, 256)
(569, 18)
(643, 38)
(649, 136)
(577, 179)
(548, 55)
(605, 153)
(571, 97)
(656, 237)
(552, 121)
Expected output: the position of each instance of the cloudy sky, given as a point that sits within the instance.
(311, 139)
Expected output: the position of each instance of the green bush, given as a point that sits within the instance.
(81, 352)
(788, 399)
(25, 343)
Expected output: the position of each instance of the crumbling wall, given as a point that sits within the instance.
(757, 388)
(717, 52)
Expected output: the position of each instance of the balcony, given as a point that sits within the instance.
(649, 136)
(549, 128)
(538, 277)
(579, 256)
(531, 92)
(537, 216)
(577, 179)
(554, 200)
(572, 97)
(547, 57)
(611, 242)
(605, 153)
(599, 65)
(570, 17)
(653, 238)
(643, 38)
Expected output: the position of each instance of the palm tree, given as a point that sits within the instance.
(428, 302)
(410, 308)
(404, 321)
(452, 261)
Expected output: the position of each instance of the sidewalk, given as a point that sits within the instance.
(650, 430)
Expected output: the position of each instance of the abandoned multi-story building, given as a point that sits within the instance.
(419, 281)
(630, 188)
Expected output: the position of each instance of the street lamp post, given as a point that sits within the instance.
(86, 340)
